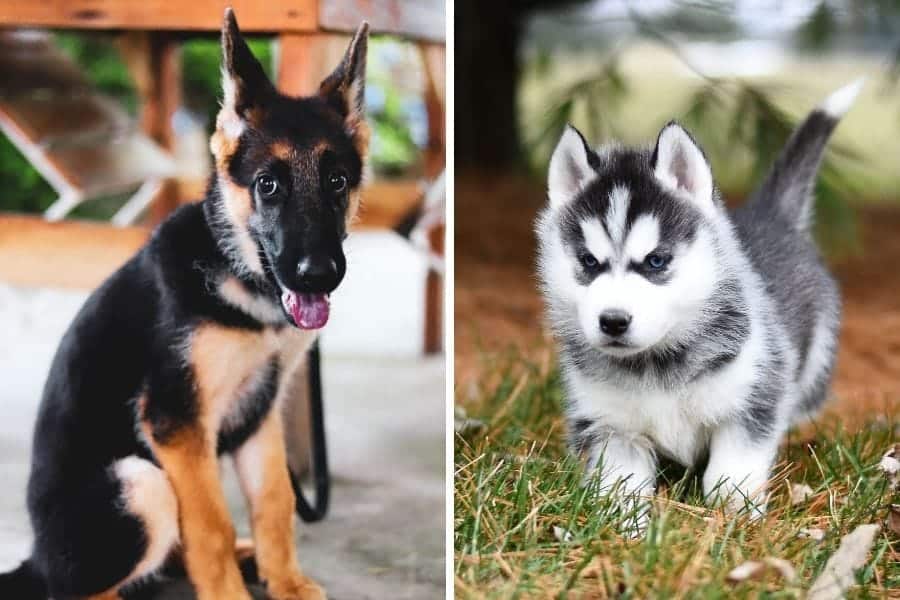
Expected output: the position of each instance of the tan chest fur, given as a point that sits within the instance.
(227, 361)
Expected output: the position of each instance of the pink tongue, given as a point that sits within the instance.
(309, 311)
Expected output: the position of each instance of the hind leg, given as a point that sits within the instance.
(107, 531)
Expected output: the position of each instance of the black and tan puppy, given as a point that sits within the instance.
(180, 356)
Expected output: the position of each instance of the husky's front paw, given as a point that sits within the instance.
(295, 587)
(737, 474)
(738, 500)
(628, 511)
(738, 496)
(633, 526)
(635, 515)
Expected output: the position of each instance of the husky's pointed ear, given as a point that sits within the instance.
(570, 167)
(344, 90)
(244, 83)
(680, 165)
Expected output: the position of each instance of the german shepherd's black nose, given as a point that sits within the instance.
(614, 322)
(318, 274)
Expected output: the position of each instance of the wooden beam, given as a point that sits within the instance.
(413, 19)
(253, 16)
(67, 254)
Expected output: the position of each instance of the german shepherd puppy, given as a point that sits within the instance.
(182, 356)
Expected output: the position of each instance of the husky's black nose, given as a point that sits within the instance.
(318, 274)
(614, 322)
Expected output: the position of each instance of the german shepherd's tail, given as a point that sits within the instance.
(788, 187)
(23, 583)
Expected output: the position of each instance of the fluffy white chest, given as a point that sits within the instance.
(678, 422)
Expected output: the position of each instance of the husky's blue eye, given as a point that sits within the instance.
(267, 185)
(588, 261)
(657, 261)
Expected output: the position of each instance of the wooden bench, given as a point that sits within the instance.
(83, 144)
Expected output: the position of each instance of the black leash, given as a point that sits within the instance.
(321, 478)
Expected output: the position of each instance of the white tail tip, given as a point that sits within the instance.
(839, 102)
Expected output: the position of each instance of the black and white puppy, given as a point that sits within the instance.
(686, 330)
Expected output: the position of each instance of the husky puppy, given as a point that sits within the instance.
(183, 355)
(684, 330)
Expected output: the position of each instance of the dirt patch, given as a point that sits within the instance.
(497, 306)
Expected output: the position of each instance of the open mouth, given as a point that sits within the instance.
(309, 311)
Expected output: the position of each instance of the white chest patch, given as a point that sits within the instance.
(678, 422)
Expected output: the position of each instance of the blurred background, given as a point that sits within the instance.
(740, 74)
(106, 108)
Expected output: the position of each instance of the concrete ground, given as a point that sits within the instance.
(384, 534)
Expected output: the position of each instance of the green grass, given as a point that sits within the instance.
(515, 483)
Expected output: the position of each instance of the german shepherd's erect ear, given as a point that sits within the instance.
(245, 85)
(344, 89)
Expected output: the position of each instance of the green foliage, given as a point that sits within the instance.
(393, 147)
(699, 17)
(24, 190)
(592, 100)
(103, 65)
(819, 29)
(525, 526)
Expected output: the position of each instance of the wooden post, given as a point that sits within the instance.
(435, 102)
(154, 60)
(305, 59)
(434, 161)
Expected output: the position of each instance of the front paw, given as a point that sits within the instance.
(295, 587)
(634, 517)
(628, 511)
(738, 498)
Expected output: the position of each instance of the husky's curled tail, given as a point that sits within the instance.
(789, 185)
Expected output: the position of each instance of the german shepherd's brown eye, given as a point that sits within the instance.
(266, 185)
(337, 182)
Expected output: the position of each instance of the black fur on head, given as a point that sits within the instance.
(288, 169)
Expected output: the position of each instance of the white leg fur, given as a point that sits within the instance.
(148, 495)
(738, 469)
(627, 468)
